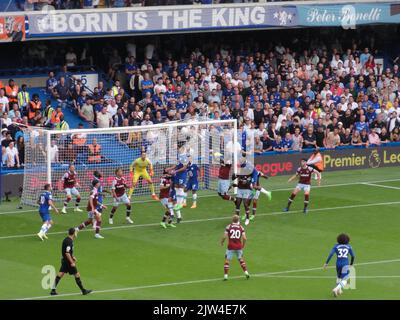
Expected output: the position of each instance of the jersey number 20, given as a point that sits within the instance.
(235, 234)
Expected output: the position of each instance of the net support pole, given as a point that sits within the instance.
(235, 154)
(48, 156)
(235, 139)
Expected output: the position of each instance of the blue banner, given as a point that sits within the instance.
(348, 15)
(141, 20)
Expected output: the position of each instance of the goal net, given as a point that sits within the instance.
(48, 154)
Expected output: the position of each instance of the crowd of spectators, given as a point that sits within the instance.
(28, 5)
(282, 98)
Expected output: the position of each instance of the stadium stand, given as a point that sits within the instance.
(334, 92)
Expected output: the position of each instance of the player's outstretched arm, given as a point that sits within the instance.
(329, 258)
(51, 203)
(292, 177)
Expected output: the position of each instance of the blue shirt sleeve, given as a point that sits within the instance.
(331, 254)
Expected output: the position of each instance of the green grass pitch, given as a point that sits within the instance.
(284, 253)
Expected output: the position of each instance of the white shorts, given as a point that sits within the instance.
(164, 202)
(92, 214)
(121, 200)
(256, 195)
(223, 186)
(304, 187)
(71, 192)
(244, 193)
(230, 253)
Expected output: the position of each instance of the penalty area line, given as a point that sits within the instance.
(216, 195)
(366, 205)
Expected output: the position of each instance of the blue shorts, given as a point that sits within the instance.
(172, 194)
(192, 185)
(180, 180)
(342, 271)
(45, 216)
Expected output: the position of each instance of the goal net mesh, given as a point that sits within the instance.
(105, 150)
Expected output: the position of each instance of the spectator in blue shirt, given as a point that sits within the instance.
(147, 85)
(362, 124)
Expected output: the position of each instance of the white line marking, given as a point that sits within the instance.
(381, 186)
(171, 284)
(216, 195)
(216, 218)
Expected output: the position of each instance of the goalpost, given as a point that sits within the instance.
(48, 153)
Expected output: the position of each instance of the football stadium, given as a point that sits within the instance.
(199, 150)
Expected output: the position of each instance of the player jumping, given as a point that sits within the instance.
(118, 191)
(223, 181)
(45, 201)
(167, 198)
(138, 170)
(192, 184)
(304, 173)
(93, 214)
(70, 184)
(236, 237)
(244, 194)
(342, 250)
(257, 190)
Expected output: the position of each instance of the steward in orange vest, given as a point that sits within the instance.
(34, 105)
(94, 152)
(55, 116)
(12, 91)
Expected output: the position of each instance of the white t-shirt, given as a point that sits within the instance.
(103, 120)
(112, 110)
(70, 58)
(11, 155)
(53, 153)
(3, 103)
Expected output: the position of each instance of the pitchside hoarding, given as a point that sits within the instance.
(345, 159)
(286, 164)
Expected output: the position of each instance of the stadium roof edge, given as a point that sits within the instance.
(202, 6)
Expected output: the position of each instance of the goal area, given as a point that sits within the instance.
(48, 154)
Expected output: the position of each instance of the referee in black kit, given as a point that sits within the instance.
(68, 263)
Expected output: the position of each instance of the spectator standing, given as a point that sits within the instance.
(103, 118)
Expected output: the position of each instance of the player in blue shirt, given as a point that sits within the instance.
(45, 201)
(193, 182)
(342, 250)
(97, 176)
(179, 178)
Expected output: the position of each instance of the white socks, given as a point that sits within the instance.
(45, 227)
(195, 198)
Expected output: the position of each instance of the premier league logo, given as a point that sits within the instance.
(374, 159)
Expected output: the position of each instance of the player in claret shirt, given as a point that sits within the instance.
(224, 180)
(304, 172)
(70, 183)
(118, 191)
(244, 194)
(93, 214)
(236, 237)
(167, 198)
